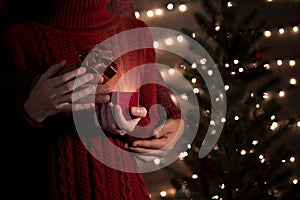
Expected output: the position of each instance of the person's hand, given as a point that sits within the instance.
(113, 120)
(56, 93)
(165, 138)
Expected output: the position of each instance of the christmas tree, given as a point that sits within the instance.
(249, 161)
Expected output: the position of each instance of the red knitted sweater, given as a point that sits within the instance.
(62, 32)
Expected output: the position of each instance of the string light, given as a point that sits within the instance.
(236, 118)
(279, 62)
(292, 63)
(150, 13)
(293, 81)
(266, 95)
(170, 6)
(203, 61)
(194, 65)
(267, 33)
(222, 186)
(194, 176)
(226, 65)
(295, 29)
(158, 12)
(229, 4)
(180, 38)
(281, 31)
(241, 69)
(254, 142)
(236, 61)
(169, 41)
(182, 8)
(273, 117)
(281, 93)
(171, 71)
(137, 14)
(223, 119)
(226, 87)
(292, 159)
(298, 123)
(194, 35)
(196, 90)
(155, 44)
(156, 161)
(243, 152)
(274, 126)
(194, 80)
(217, 28)
(163, 193)
(295, 181)
(267, 66)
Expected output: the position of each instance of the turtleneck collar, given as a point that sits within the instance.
(76, 14)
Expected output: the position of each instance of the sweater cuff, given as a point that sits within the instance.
(28, 120)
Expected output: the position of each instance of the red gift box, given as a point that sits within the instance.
(126, 100)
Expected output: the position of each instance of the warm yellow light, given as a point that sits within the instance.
(169, 41)
(217, 28)
(279, 62)
(150, 13)
(163, 193)
(170, 6)
(194, 176)
(267, 66)
(281, 31)
(155, 44)
(298, 123)
(274, 126)
(281, 93)
(292, 63)
(243, 152)
(194, 80)
(229, 4)
(295, 29)
(295, 181)
(267, 33)
(180, 38)
(158, 11)
(293, 81)
(137, 14)
(182, 8)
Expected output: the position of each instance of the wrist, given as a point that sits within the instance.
(33, 112)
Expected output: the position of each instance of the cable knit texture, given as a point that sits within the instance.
(62, 32)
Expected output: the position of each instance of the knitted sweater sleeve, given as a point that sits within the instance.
(19, 78)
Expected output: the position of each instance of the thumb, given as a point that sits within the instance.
(123, 124)
(53, 70)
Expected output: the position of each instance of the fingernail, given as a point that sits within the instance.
(90, 76)
(82, 69)
(138, 110)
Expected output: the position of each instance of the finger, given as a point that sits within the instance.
(110, 119)
(75, 96)
(104, 89)
(94, 98)
(138, 111)
(53, 70)
(146, 158)
(151, 144)
(72, 85)
(83, 80)
(148, 152)
(63, 78)
(159, 131)
(122, 123)
(86, 106)
(103, 116)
